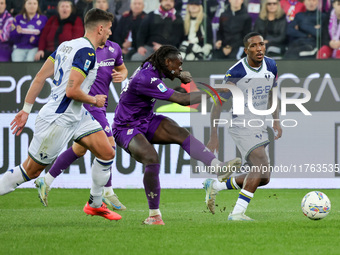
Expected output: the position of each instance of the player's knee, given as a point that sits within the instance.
(265, 180)
(108, 155)
(150, 159)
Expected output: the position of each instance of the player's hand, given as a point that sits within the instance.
(101, 99)
(19, 122)
(156, 46)
(142, 51)
(19, 29)
(277, 129)
(218, 44)
(40, 54)
(213, 144)
(117, 76)
(185, 77)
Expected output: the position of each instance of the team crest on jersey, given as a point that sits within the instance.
(130, 131)
(87, 64)
(162, 88)
(38, 22)
(153, 79)
(43, 155)
(267, 76)
(107, 129)
(111, 49)
(91, 54)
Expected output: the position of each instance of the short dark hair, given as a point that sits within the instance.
(157, 59)
(249, 35)
(96, 15)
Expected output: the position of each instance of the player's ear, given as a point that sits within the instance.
(167, 62)
(100, 29)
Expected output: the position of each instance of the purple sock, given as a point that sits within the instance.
(64, 160)
(152, 186)
(109, 182)
(197, 150)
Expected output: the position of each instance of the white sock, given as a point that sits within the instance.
(154, 212)
(219, 185)
(235, 183)
(100, 176)
(108, 191)
(48, 178)
(12, 179)
(242, 201)
(215, 162)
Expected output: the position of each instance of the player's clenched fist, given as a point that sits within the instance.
(101, 99)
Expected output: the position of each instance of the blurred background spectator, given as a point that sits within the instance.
(14, 6)
(272, 25)
(6, 21)
(291, 8)
(197, 44)
(127, 28)
(253, 9)
(26, 30)
(163, 26)
(62, 27)
(303, 30)
(235, 23)
(331, 43)
(49, 7)
(214, 10)
(119, 7)
(104, 5)
(150, 5)
(82, 7)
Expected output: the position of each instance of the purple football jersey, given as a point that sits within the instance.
(107, 57)
(139, 96)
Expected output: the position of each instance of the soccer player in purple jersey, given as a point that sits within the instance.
(136, 127)
(111, 68)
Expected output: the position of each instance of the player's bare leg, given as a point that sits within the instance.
(256, 176)
(20, 174)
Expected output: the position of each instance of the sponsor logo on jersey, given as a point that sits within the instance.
(153, 79)
(162, 88)
(91, 54)
(106, 63)
(130, 131)
(87, 64)
(259, 136)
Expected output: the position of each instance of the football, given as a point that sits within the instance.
(315, 205)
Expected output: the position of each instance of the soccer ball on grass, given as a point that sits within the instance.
(315, 205)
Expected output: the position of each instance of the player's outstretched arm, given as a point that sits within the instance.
(20, 119)
(74, 91)
(276, 124)
(213, 143)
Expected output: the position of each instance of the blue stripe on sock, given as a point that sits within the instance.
(24, 175)
(244, 197)
(104, 163)
(228, 182)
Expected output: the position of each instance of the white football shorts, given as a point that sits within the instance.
(248, 140)
(50, 139)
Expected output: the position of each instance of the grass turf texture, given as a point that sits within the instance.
(26, 227)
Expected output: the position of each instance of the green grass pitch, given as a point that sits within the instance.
(26, 227)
